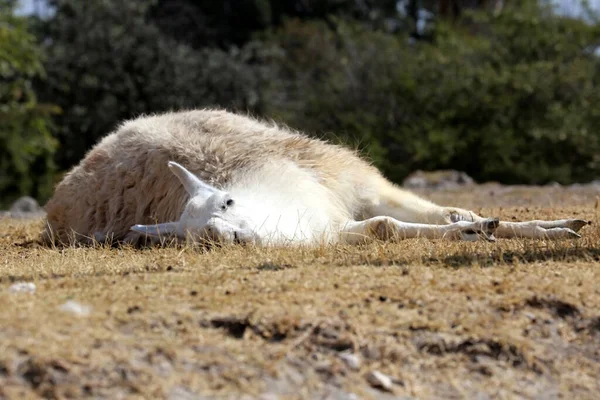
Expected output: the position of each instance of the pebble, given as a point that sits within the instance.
(22, 287)
(351, 360)
(76, 308)
(380, 381)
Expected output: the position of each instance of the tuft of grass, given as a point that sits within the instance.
(515, 318)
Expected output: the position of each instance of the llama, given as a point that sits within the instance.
(220, 176)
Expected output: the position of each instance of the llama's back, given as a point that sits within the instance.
(124, 179)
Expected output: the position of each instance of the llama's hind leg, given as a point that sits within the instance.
(408, 207)
(388, 228)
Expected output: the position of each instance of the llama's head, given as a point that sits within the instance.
(210, 214)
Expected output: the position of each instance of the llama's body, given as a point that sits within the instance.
(287, 188)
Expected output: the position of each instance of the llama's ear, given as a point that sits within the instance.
(159, 230)
(192, 184)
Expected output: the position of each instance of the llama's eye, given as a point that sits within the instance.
(228, 203)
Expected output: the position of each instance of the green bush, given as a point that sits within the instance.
(108, 62)
(506, 97)
(26, 144)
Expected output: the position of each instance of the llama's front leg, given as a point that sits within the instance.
(388, 228)
(536, 229)
(558, 229)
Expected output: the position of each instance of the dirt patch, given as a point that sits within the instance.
(558, 307)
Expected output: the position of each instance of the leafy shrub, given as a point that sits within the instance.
(26, 144)
(107, 62)
(506, 97)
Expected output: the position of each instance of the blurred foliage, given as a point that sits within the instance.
(26, 144)
(507, 97)
(504, 91)
(106, 62)
(234, 22)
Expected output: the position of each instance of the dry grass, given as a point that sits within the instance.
(445, 319)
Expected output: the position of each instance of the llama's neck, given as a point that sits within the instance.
(286, 203)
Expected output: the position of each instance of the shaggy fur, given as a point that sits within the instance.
(124, 179)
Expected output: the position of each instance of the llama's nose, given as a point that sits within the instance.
(214, 232)
(243, 236)
(224, 232)
(210, 232)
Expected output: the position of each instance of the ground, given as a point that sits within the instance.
(441, 319)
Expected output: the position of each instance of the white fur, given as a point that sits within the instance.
(266, 210)
(210, 174)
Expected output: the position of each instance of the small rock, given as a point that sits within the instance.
(24, 207)
(76, 308)
(442, 179)
(380, 381)
(22, 287)
(553, 184)
(351, 360)
(25, 204)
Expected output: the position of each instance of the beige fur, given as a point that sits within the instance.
(124, 180)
